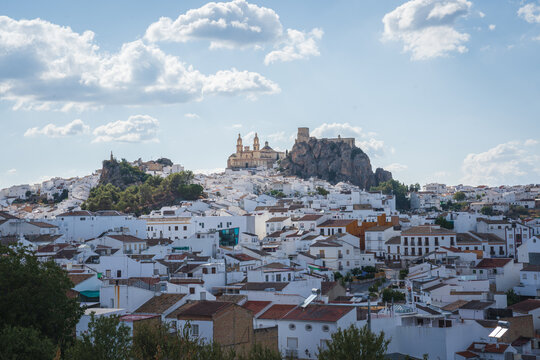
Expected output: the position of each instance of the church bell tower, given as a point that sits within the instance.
(239, 144)
(256, 145)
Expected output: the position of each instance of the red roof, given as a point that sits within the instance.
(241, 257)
(324, 313)
(337, 223)
(492, 263)
(488, 348)
(467, 354)
(132, 317)
(276, 312)
(256, 306)
(310, 217)
(525, 306)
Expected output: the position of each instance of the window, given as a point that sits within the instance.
(278, 277)
(292, 327)
(118, 273)
(192, 290)
(205, 271)
(176, 228)
(195, 330)
(266, 278)
(108, 273)
(308, 327)
(325, 328)
(213, 270)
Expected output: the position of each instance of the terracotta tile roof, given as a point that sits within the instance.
(42, 224)
(5, 215)
(337, 223)
(326, 286)
(326, 243)
(79, 278)
(232, 298)
(310, 217)
(488, 348)
(476, 305)
(434, 287)
(492, 263)
(428, 310)
(427, 230)
(198, 309)
(467, 354)
(277, 219)
(256, 306)
(76, 213)
(159, 304)
(322, 313)
(126, 238)
(241, 257)
(532, 268)
(394, 240)
(525, 306)
(276, 312)
(490, 238)
(466, 238)
(379, 228)
(262, 286)
(456, 305)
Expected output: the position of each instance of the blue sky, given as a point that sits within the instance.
(444, 91)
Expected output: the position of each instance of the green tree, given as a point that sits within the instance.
(403, 273)
(24, 343)
(444, 223)
(487, 210)
(106, 339)
(389, 294)
(460, 196)
(355, 344)
(398, 189)
(33, 294)
(512, 298)
(322, 191)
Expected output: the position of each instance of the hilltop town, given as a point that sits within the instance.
(449, 271)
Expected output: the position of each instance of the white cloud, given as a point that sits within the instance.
(365, 141)
(12, 171)
(137, 128)
(44, 65)
(395, 167)
(192, 116)
(530, 13)
(426, 27)
(75, 127)
(224, 24)
(492, 27)
(237, 24)
(481, 14)
(508, 163)
(236, 126)
(297, 45)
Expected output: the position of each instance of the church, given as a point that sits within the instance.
(244, 158)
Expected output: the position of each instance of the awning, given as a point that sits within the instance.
(90, 293)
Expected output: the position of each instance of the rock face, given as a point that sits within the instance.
(332, 161)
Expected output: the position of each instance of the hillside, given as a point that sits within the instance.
(332, 161)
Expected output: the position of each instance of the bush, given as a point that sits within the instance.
(389, 294)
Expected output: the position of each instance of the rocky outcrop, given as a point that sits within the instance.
(332, 161)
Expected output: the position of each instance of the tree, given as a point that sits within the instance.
(512, 298)
(460, 196)
(487, 210)
(24, 343)
(389, 294)
(106, 339)
(33, 294)
(403, 273)
(322, 191)
(355, 344)
(442, 222)
(398, 189)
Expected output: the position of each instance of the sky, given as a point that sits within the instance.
(433, 90)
